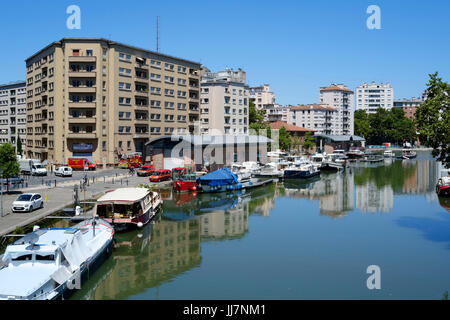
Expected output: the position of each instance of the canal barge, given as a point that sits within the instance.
(48, 264)
(128, 208)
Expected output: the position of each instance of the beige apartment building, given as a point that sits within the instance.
(101, 99)
(341, 98)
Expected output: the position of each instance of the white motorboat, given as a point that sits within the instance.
(389, 154)
(318, 159)
(49, 263)
(334, 162)
(270, 170)
(304, 170)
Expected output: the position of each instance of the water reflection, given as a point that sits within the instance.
(172, 244)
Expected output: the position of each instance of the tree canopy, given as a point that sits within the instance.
(433, 119)
(384, 126)
(8, 161)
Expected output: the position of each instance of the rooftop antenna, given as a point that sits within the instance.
(157, 34)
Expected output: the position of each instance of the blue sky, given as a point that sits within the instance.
(295, 46)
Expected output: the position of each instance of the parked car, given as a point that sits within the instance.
(145, 170)
(160, 175)
(64, 171)
(27, 202)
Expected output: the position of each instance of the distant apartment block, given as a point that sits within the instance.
(275, 112)
(101, 99)
(224, 102)
(370, 97)
(262, 97)
(408, 106)
(13, 113)
(339, 97)
(322, 119)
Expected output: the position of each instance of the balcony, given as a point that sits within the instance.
(82, 74)
(82, 135)
(82, 105)
(82, 59)
(82, 120)
(82, 89)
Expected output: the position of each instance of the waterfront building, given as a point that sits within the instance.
(198, 151)
(370, 97)
(320, 118)
(224, 102)
(262, 97)
(408, 106)
(13, 113)
(100, 99)
(329, 143)
(340, 97)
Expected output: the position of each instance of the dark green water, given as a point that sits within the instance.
(291, 240)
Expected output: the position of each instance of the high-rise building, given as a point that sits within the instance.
(340, 98)
(370, 97)
(224, 102)
(321, 118)
(262, 96)
(408, 106)
(13, 113)
(101, 99)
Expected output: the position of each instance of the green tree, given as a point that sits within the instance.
(255, 118)
(19, 145)
(285, 139)
(8, 162)
(362, 126)
(433, 119)
(309, 142)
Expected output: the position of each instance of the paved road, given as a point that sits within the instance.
(58, 198)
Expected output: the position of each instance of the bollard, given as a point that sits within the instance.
(127, 182)
(104, 179)
(55, 183)
(120, 181)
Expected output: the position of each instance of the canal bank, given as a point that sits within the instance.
(61, 197)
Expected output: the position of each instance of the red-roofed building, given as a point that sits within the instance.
(294, 131)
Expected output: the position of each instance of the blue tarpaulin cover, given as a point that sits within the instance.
(218, 178)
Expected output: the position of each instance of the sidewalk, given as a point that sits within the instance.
(57, 199)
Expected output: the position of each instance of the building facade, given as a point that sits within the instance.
(13, 113)
(408, 106)
(224, 102)
(340, 97)
(370, 97)
(262, 96)
(101, 99)
(320, 118)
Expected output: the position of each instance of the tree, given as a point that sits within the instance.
(285, 139)
(433, 119)
(8, 162)
(19, 145)
(255, 118)
(362, 126)
(309, 142)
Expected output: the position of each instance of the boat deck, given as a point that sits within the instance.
(247, 185)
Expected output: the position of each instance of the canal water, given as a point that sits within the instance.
(292, 240)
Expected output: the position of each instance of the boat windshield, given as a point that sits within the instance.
(120, 210)
(25, 257)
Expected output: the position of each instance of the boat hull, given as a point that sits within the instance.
(297, 174)
(443, 191)
(221, 188)
(185, 186)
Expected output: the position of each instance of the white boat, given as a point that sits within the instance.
(318, 159)
(389, 154)
(127, 208)
(303, 170)
(334, 162)
(270, 170)
(49, 263)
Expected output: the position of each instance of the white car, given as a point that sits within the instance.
(63, 172)
(27, 202)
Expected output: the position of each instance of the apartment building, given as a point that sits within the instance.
(262, 96)
(224, 102)
(100, 99)
(13, 113)
(408, 106)
(275, 112)
(370, 97)
(322, 119)
(339, 97)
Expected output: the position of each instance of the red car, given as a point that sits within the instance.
(160, 175)
(145, 170)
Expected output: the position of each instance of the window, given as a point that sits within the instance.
(76, 53)
(89, 52)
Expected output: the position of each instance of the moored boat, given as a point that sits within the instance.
(127, 208)
(49, 263)
(304, 171)
(407, 154)
(186, 183)
(219, 181)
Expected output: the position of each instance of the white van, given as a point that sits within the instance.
(63, 171)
